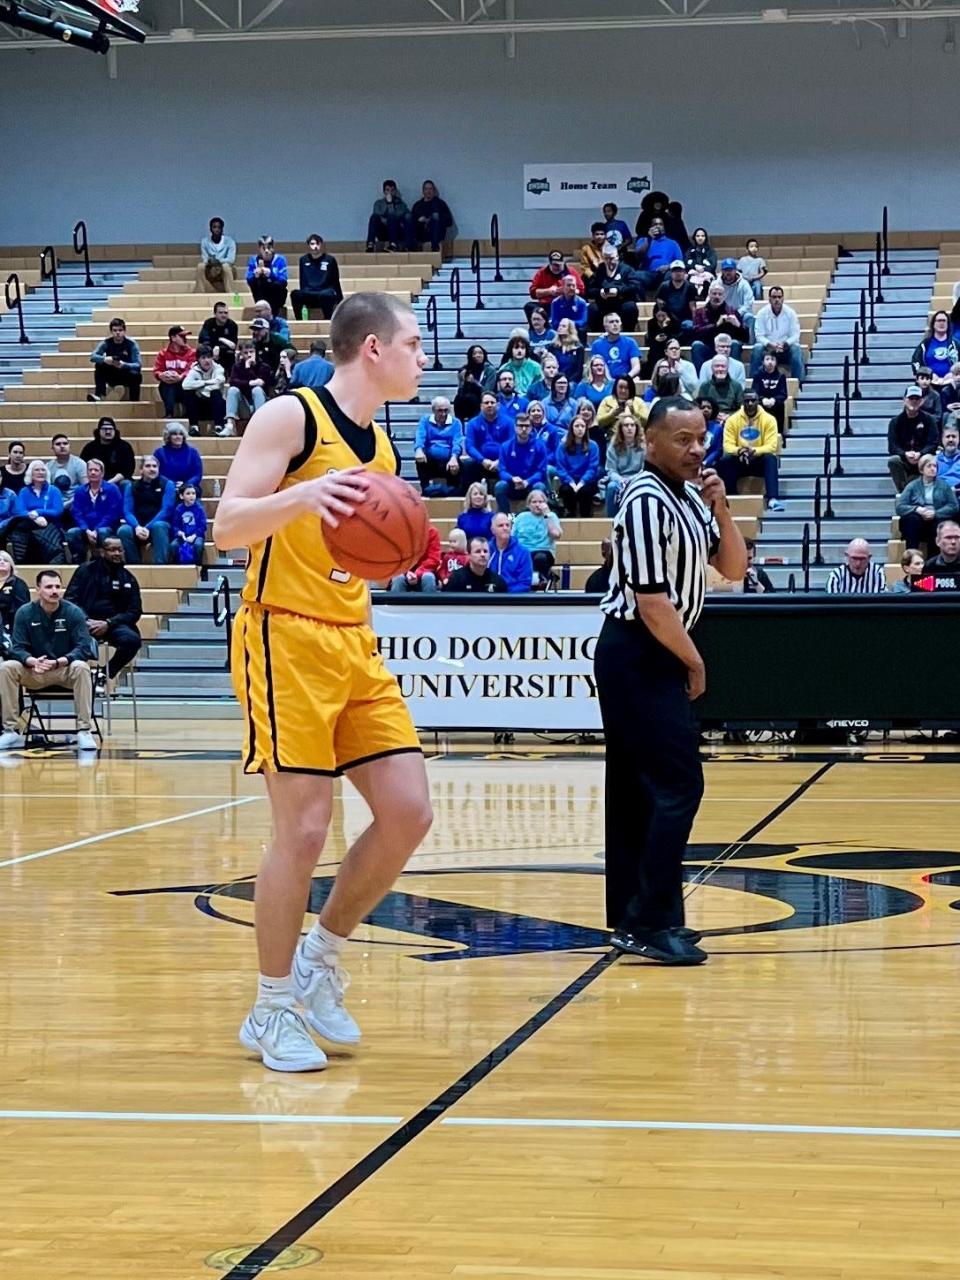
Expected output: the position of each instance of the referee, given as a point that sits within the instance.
(673, 518)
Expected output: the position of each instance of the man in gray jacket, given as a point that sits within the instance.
(388, 220)
(738, 294)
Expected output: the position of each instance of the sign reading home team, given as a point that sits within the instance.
(487, 666)
(586, 186)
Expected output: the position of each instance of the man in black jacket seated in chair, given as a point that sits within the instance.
(109, 595)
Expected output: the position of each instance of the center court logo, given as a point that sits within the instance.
(296, 1256)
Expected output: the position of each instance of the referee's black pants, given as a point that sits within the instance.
(654, 779)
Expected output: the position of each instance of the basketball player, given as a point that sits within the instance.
(316, 697)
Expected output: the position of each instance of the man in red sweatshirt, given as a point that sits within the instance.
(171, 366)
(423, 575)
(547, 283)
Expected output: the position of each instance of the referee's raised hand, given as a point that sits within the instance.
(712, 489)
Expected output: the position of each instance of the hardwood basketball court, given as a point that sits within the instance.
(521, 1105)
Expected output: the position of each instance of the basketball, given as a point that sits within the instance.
(385, 535)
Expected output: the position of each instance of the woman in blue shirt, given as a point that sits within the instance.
(597, 385)
(38, 527)
(560, 406)
(937, 351)
(578, 469)
(476, 517)
(568, 349)
(539, 333)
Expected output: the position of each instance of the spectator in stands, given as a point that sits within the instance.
(944, 567)
(423, 575)
(523, 465)
(319, 281)
(675, 226)
(568, 305)
(737, 294)
(220, 333)
(539, 334)
(948, 459)
(911, 562)
(476, 517)
(661, 329)
(189, 528)
(937, 349)
(430, 219)
(910, 435)
(560, 406)
(624, 458)
(577, 461)
(595, 432)
(454, 556)
(750, 445)
(932, 402)
(173, 363)
(218, 253)
(268, 346)
(771, 386)
(250, 380)
(712, 318)
(476, 574)
(653, 205)
(542, 388)
(665, 384)
(509, 400)
(615, 230)
(689, 381)
(655, 252)
(778, 327)
(924, 503)
(288, 362)
(485, 434)
(438, 447)
(591, 253)
(37, 532)
(624, 399)
(13, 473)
(858, 576)
(753, 268)
(541, 428)
(14, 593)
(474, 377)
(315, 371)
(278, 325)
(508, 559)
(109, 596)
(613, 289)
(50, 646)
(97, 511)
(599, 580)
(756, 581)
(618, 350)
(598, 384)
(547, 283)
(724, 347)
(950, 389)
(519, 363)
(8, 515)
(538, 530)
(679, 297)
(267, 275)
(203, 389)
(720, 388)
(701, 263)
(116, 363)
(112, 450)
(148, 505)
(568, 349)
(388, 222)
(713, 443)
(65, 471)
(179, 462)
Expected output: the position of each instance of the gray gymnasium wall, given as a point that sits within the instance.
(794, 122)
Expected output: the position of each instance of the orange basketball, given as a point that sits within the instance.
(385, 535)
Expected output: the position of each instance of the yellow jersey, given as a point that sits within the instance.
(293, 569)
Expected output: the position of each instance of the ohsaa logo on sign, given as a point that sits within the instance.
(538, 186)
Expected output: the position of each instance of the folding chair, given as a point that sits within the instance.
(40, 724)
(103, 681)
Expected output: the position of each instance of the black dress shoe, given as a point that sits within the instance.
(690, 935)
(665, 946)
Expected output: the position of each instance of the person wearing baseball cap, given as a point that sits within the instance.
(737, 293)
(268, 345)
(547, 282)
(171, 366)
(910, 435)
(679, 297)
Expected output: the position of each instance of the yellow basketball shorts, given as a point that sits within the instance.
(316, 698)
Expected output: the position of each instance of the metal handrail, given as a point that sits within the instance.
(837, 464)
(879, 270)
(828, 512)
(847, 428)
(48, 271)
(455, 297)
(805, 557)
(870, 294)
(433, 326)
(792, 584)
(495, 246)
(83, 246)
(817, 518)
(855, 393)
(14, 301)
(223, 611)
(886, 242)
(864, 359)
(826, 455)
(846, 377)
(475, 268)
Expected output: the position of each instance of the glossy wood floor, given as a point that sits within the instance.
(790, 1109)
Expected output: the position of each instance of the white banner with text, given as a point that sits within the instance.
(490, 666)
(586, 186)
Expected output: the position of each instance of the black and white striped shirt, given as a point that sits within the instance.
(663, 536)
(843, 582)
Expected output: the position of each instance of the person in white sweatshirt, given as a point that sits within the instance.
(203, 391)
(778, 326)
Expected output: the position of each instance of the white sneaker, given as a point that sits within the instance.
(86, 741)
(10, 740)
(281, 1039)
(320, 989)
(228, 428)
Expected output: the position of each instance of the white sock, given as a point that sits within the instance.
(322, 945)
(276, 993)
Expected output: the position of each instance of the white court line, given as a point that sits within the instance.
(127, 831)
(194, 1117)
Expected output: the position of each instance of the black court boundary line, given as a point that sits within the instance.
(260, 1258)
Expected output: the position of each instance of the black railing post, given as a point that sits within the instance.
(223, 611)
(14, 301)
(836, 414)
(475, 268)
(879, 270)
(837, 464)
(48, 271)
(433, 326)
(805, 557)
(81, 245)
(864, 358)
(455, 296)
(846, 377)
(495, 246)
(817, 517)
(886, 243)
(870, 294)
(826, 455)
(847, 429)
(855, 393)
(828, 512)
(792, 584)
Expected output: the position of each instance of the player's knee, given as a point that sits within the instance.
(411, 819)
(307, 835)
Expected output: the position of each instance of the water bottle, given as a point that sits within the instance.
(565, 576)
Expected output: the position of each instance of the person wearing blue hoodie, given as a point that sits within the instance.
(523, 465)
(476, 517)
(97, 512)
(485, 434)
(438, 446)
(39, 528)
(512, 562)
(577, 461)
(189, 528)
(179, 461)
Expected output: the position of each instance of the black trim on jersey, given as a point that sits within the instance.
(316, 773)
(252, 754)
(378, 755)
(271, 708)
(309, 436)
(262, 579)
(361, 440)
